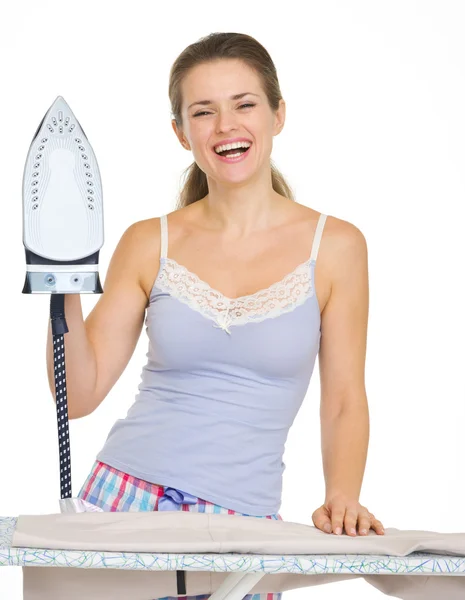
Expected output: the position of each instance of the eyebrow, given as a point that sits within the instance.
(235, 97)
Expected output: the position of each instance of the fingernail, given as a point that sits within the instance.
(327, 527)
(338, 531)
(352, 531)
(363, 531)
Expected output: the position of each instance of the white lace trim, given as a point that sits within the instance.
(279, 298)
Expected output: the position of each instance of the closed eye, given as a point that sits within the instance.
(207, 113)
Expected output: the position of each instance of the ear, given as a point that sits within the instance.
(179, 134)
(280, 117)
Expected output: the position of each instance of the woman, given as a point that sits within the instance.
(234, 318)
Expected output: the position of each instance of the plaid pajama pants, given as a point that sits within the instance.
(114, 490)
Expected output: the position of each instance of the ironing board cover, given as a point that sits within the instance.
(120, 555)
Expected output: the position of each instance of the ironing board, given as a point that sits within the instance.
(228, 556)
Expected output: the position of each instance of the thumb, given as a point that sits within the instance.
(321, 519)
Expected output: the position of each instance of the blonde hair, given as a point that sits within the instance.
(214, 47)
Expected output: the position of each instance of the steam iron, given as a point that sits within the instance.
(62, 208)
(62, 236)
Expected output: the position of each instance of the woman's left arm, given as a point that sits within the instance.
(344, 411)
(344, 448)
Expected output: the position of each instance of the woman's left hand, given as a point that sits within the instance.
(341, 512)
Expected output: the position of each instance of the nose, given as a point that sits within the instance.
(226, 121)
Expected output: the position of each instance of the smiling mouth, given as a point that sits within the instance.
(233, 156)
(233, 153)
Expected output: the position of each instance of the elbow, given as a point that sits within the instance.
(76, 412)
(73, 416)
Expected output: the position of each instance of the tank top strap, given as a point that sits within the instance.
(317, 236)
(164, 236)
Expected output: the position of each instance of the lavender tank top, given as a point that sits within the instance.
(222, 385)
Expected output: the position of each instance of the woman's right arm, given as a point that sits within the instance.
(98, 349)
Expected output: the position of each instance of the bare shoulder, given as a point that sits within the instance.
(337, 233)
(343, 236)
(143, 242)
(145, 236)
(144, 232)
(346, 251)
(333, 225)
(342, 248)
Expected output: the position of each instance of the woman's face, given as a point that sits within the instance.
(223, 117)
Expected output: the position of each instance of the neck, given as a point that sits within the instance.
(239, 210)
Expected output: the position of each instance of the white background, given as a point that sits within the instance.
(374, 135)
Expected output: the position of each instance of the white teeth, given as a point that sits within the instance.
(219, 149)
(234, 155)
